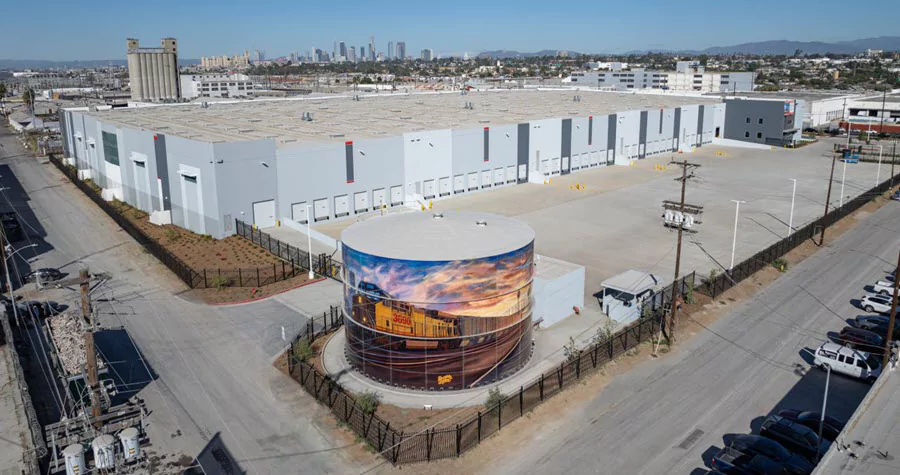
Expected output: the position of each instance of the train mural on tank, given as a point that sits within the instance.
(438, 324)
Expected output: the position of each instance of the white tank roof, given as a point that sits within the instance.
(431, 236)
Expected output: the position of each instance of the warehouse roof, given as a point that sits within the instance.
(447, 236)
(341, 118)
(808, 96)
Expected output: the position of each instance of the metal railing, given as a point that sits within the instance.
(256, 276)
(29, 457)
(399, 447)
(713, 287)
(322, 264)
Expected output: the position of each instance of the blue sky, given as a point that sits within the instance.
(97, 30)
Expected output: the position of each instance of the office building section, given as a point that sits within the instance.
(203, 166)
(688, 76)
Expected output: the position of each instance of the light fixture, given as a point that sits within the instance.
(264, 164)
(362, 153)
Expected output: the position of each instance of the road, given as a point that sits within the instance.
(213, 379)
(669, 416)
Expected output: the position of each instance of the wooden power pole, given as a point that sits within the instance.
(90, 352)
(828, 199)
(673, 314)
(889, 338)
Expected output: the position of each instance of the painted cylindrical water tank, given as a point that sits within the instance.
(104, 448)
(74, 458)
(131, 446)
(438, 301)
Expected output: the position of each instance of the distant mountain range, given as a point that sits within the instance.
(506, 54)
(90, 63)
(774, 47)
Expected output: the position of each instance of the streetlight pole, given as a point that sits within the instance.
(824, 402)
(878, 174)
(791, 219)
(737, 210)
(12, 298)
(843, 178)
(312, 275)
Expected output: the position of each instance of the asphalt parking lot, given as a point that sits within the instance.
(615, 223)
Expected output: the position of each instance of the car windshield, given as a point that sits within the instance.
(873, 362)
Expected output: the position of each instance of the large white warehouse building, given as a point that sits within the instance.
(201, 166)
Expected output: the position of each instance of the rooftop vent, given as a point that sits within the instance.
(481, 223)
(437, 216)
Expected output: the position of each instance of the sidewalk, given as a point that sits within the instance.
(13, 424)
(870, 444)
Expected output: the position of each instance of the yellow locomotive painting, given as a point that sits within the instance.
(374, 309)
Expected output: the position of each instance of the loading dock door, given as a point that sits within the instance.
(320, 210)
(609, 156)
(486, 179)
(576, 162)
(378, 198)
(498, 176)
(459, 184)
(396, 195)
(444, 186)
(545, 167)
(554, 165)
(428, 189)
(523, 172)
(565, 164)
(511, 174)
(341, 206)
(473, 181)
(298, 212)
(264, 214)
(361, 202)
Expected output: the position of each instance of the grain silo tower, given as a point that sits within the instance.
(153, 72)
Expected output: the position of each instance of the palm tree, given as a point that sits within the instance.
(2, 95)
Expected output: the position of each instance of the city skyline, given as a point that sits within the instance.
(272, 27)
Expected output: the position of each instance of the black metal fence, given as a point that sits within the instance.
(399, 447)
(713, 287)
(194, 278)
(322, 264)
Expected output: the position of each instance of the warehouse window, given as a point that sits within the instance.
(746, 135)
(759, 135)
(748, 120)
(760, 121)
(110, 148)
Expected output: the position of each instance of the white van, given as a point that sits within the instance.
(848, 361)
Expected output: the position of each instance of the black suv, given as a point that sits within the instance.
(794, 436)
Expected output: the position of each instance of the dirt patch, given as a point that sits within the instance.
(230, 295)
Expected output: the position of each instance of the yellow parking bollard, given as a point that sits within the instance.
(430, 204)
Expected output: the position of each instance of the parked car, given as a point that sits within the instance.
(754, 444)
(11, 226)
(46, 274)
(847, 361)
(729, 460)
(860, 339)
(877, 324)
(883, 287)
(794, 437)
(831, 427)
(875, 303)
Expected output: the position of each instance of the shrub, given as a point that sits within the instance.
(172, 235)
(781, 264)
(303, 351)
(494, 398)
(570, 350)
(689, 293)
(219, 282)
(713, 273)
(368, 401)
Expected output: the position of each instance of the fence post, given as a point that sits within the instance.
(578, 367)
(541, 387)
(240, 278)
(499, 413)
(458, 440)
(479, 427)
(205, 283)
(282, 270)
(521, 400)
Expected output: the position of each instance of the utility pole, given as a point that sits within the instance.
(890, 329)
(827, 200)
(893, 160)
(673, 315)
(90, 352)
(883, 99)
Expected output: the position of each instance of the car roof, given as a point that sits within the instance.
(843, 350)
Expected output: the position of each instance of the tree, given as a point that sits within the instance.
(28, 98)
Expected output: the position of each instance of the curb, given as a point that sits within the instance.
(242, 302)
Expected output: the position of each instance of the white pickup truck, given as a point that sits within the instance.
(883, 287)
